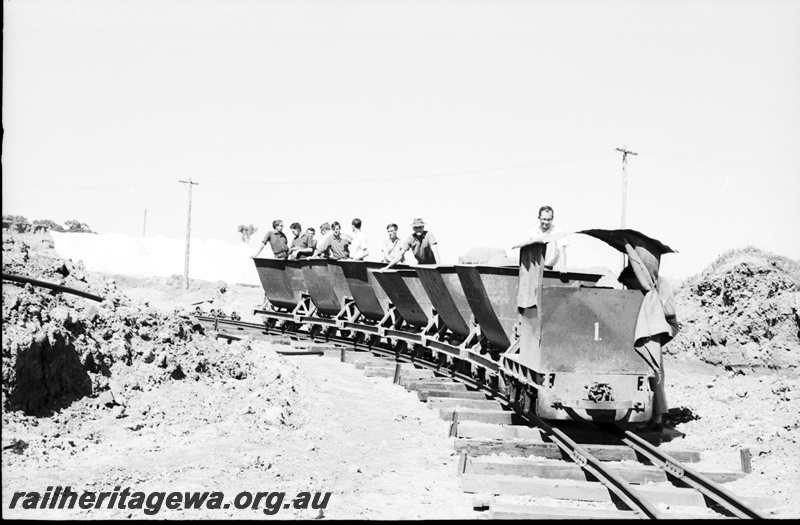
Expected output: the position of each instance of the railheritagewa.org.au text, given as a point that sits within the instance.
(151, 503)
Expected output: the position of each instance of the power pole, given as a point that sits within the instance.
(625, 153)
(144, 227)
(189, 184)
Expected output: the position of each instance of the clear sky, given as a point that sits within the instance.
(468, 113)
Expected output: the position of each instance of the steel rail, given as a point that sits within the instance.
(381, 349)
(695, 480)
(627, 494)
(53, 286)
(584, 459)
(410, 338)
(388, 352)
(631, 498)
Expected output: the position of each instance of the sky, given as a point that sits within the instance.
(470, 114)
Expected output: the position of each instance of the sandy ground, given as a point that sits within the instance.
(724, 412)
(378, 450)
(314, 424)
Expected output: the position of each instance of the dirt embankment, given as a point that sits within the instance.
(135, 395)
(742, 313)
(60, 347)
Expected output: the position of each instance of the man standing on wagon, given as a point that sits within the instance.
(358, 248)
(280, 247)
(336, 246)
(422, 244)
(302, 244)
(277, 241)
(392, 245)
(556, 252)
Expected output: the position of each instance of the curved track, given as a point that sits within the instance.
(410, 348)
(629, 497)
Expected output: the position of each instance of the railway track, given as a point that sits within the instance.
(584, 470)
(568, 463)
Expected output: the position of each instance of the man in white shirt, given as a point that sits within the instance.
(358, 247)
(392, 246)
(321, 246)
(556, 254)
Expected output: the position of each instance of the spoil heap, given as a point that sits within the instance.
(742, 312)
(58, 348)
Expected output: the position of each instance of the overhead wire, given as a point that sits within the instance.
(724, 162)
(563, 160)
(513, 167)
(105, 186)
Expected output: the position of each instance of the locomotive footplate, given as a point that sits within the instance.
(619, 397)
(588, 404)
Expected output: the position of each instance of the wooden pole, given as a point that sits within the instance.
(625, 153)
(188, 234)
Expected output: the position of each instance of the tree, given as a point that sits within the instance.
(246, 232)
(77, 227)
(19, 219)
(52, 225)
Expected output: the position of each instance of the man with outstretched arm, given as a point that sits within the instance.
(280, 247)
(277, 241)
(556, 252)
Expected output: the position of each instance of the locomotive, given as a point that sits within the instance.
(558, 344)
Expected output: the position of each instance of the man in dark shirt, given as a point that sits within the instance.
(277, 241)
(302, 244)
(310, 233)
(280, 248)
(338, 244)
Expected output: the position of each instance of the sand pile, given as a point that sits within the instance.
(742, 312)
(487, 255)
(115, 253)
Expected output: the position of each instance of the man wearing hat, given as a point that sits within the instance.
(422, 244)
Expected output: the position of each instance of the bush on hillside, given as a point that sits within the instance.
(77, 227)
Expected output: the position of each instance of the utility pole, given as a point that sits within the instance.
(625, 153)
(189, 184)
(144, 227)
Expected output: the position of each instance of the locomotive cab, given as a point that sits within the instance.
(581, 352)
(576, 358)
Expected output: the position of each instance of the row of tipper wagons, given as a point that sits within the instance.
(572, 358)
